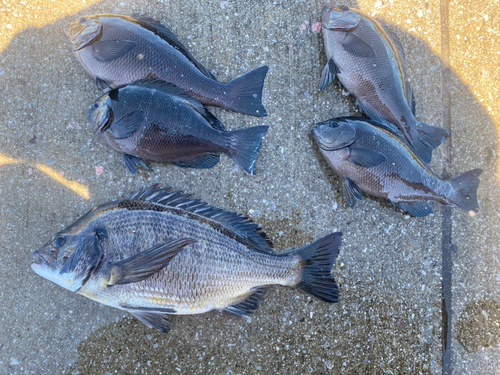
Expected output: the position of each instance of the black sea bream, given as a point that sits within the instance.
(370, 65)
(117, 50)
(376, 159)
(154, 120)
(160, 252)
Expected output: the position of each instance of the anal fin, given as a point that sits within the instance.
(153, 319)
(205, 161)
(416, 209)
(249, 304)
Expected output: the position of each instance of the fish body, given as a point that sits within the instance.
(154, 120)
(376, 159)
(369, 62)
(160, 252)
(117, 50)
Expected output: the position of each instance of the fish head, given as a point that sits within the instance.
(333, 134)
(100, 114)
(84, 32)
(340, 18)
(70, 257)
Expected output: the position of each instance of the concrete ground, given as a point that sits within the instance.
(417, 295)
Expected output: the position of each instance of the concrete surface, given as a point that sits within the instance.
(394, 270)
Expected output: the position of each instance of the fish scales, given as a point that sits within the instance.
(118, 50)
(369, 62)
(154, 120)
(141, 230)
(150, 256)
(375, 158)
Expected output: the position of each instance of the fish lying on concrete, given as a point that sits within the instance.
(369, 62)
(376, 159)
(117, 50)
(155, 120)
(160, 252)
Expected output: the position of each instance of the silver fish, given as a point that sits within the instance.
(369, 62)
(376, 159)
(160, 252)
(117, 50)
(154, 120)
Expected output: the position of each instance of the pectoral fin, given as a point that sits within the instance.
(102, 84)
(143, 265)
(352, 192)
(109, 50)
(365, 157)
(328, 75)
(127, 125)
(356, 46)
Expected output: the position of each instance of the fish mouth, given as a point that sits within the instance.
(40, 263)
(340, 19)
(332, 135)
(83, 32)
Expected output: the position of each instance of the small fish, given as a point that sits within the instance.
(160, 252)
(369, 62)
(376, 159)
(117, 50)
(154, 120)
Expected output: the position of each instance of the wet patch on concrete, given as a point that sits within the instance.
(285, 232)
(290, 333)
(479, 326)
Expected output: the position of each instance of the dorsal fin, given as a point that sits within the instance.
(410, 98)
(241, 226)
(171, 89)
(163, 32)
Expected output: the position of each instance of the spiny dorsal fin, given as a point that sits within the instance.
(168, 36)
(243, 227)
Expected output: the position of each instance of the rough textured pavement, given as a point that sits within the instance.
(394, 270)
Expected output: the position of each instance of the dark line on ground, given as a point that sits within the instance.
(446, 224)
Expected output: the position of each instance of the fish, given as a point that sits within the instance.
(161, 252)
(369, 61)
(117, 50)
(376, 159)
(155, 120)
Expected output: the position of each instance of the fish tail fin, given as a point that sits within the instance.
(318, 260)
(245, 144)
(426, 138)
(245, 92)
(464, 193)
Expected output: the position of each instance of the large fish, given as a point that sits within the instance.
(117, 50)
(160, 252)
(376, 159)
(154, 120)
(370, 64)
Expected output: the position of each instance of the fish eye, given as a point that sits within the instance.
(59, 241)
(83, 19)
